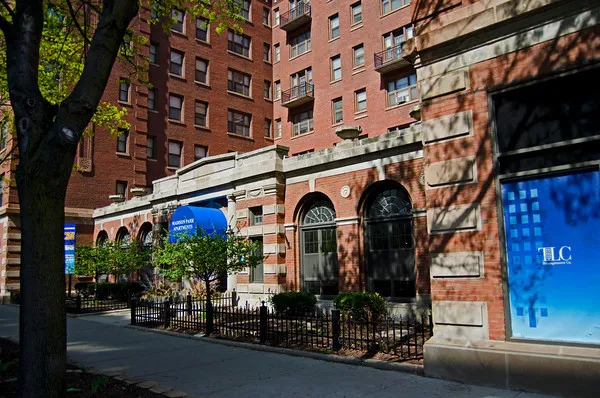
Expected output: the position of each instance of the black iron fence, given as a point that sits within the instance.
(399, 336)
(301, 90)
(388, 55)
(83, 305)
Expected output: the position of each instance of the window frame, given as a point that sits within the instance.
(354, 58)
(353, 15)
(278, 128)
(296, 44)
(197, 146)
(232, 45)
(233, 84)
(170, 154)
(197, 71)
(256, 215)
(276, 17)
(334, 69)
(277, 52)
(151, 149)
(268, 89)
(267, 52)
(268, 128)
(408, 88)
(383, 3)
(266, 16)
(153, 57)
(181, 66)
(180, 109)
(298, 121)
(123, 142)
(334, 29)
(178, 22)
(246, 13)
(121, 183)
(337, 111)
(357, 101)
(206, 30)
(204, 115)
(277, 90)
(233, 125)
(127, 92)
(151, 101)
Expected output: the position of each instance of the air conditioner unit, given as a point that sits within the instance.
(400, 99)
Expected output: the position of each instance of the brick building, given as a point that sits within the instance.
(435, 152)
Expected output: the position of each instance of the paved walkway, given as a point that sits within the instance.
(205, 369)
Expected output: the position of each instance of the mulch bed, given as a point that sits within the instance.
(79, 382)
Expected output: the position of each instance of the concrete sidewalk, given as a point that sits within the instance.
(202, 368)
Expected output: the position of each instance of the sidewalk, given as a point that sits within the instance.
(205, 369)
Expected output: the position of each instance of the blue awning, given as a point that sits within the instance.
(188, 219)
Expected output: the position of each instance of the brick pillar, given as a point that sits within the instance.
(349, 255)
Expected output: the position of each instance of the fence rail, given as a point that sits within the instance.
(399, 336)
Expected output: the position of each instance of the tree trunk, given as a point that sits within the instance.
(210, 323)
(42, 329)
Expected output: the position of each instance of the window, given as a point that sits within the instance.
(176, 66)
(238, 82)
(266, 16)
(1, 189)
(245, 9)
(127, 44)
(356, 13)
(256, 215)
(239, 44)
(151, 147)
(334, 26)
(277, 52)
(200, 152)
(300, 80)
(397, 37)
(360, 100)
(124, 90)
(178, 17)
(267, 93)
(336, 68)
(391, 5)
(276, 12)
(202, 29)
(3, 137)
(277, 90)
(302, 123)
(268, 125)
(200, 113)
(257, 272)
(278, 128)
(267, 52)
(152, 99)
(154, 53)
(201, 71)
(122, 140)
(238, 123)
(359, 55)
(300, 44)
(337, 111)
(402, 90)
(174, 159)
(175, 107)
(121, 188)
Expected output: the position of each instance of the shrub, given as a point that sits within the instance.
(83, 288)
(361, 305)
(294, 303)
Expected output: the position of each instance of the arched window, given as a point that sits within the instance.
(145, 236)
(389, 242)
(123, 237)
(102, 238)
(319, 248)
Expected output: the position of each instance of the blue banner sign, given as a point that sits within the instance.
(69, 248)
(186, 220)
(553, 252)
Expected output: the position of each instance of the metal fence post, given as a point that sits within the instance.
(133, 308)
(189, 304)
(233, 299)
(335, 329)
(263, 323)
(78, 303)
(210, 321)
(431, 324)
(167, 313)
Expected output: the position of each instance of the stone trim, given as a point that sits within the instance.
(460, 320)
(456, 125)
(353, 220)
(453, 219)
(457, 264)
(451, 172)
(444, 84)
(290, 227)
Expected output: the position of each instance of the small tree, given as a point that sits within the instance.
(206, 257)
(91, 261)
(124, 259)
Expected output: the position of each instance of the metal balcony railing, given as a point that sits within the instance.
(390, 57)
(295, 17)
(297, 95)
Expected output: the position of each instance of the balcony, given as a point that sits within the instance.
(391, 59)
(298, 95)
(295, 17)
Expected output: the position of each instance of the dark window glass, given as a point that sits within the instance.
(122, 140)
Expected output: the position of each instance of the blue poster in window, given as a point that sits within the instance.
(69, 248)
(552, 230)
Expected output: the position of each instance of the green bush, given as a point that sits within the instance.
(118, 291)
(294, 303)
(361, 305)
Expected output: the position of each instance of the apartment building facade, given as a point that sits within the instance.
(436, 153)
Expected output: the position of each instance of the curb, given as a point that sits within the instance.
(371, 363)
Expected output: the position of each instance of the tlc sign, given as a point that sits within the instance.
(554, 257)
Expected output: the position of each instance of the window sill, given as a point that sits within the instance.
(240, 95)
(153, 64)
(267, 26)
(205, 128)
(153, 111)
(337, 124)
(174, 121)
(360, 115)
(395, 11)
(177, 77)
(202, 84)
(389, 108)
(173, 168)
(334, 39)
(299, 55)
(268, 99)
(152, 160)
(335, 81)
(303, 135)
(178, 33)
(124, 103)
(123, 154)
(240, 136)
(239, 55)
(269, 139)
(267, 62)
(358, 69)
(204, 43)
(356, 26)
